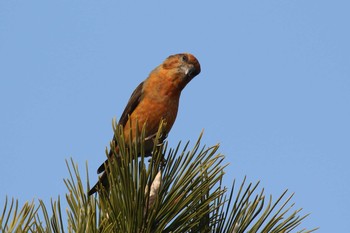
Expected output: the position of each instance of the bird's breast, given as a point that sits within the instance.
(150, 112)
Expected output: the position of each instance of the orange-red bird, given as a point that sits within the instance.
(154, 100)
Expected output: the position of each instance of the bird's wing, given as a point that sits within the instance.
(134, 100)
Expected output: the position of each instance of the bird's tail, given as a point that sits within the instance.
(101, 183)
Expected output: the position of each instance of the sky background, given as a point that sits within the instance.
(274, 91)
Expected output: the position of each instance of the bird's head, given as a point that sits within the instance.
(182, 68)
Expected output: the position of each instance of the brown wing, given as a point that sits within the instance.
(134, 100)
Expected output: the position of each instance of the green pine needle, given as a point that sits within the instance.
(188, 195)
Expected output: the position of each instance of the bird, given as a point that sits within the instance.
(154, 100)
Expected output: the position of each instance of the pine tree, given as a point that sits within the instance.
(177, 190)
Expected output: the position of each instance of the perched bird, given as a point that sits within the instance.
(155, 99)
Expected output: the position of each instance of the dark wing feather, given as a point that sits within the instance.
(134, 100)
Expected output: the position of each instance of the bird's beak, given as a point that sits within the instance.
(192, 70)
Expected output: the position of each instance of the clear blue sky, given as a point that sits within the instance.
(274, 90)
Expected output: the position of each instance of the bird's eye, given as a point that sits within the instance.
(184, 58)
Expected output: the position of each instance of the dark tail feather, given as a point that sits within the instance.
(103, 179)
(103, 166)
(101, 183)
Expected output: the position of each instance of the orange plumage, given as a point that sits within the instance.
(156, 99)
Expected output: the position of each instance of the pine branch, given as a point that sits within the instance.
(178, 190)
